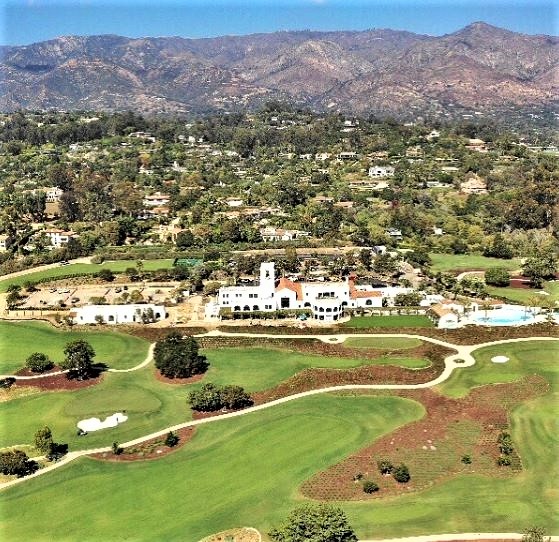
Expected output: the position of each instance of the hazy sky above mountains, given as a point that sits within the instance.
(28, 21)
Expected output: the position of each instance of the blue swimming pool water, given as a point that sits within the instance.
(504, 317)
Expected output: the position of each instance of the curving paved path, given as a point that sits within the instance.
(141, 365)
(460, 536)
(463, 358)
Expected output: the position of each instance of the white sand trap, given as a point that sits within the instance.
(94, 424)
(499, 359)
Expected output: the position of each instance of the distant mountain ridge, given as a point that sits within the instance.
(478, 68)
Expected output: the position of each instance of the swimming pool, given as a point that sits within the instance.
(503, 317)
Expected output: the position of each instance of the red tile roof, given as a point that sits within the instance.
(354, 293)
(293, 286)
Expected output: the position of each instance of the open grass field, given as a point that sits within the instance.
(525, 295)
(467, 262)
(533, 357)
(78, 269)
(247, 470)
(243, 471)
(20, 339)
(260, 368)
(151, 404)
(382, 343)
(389, 321)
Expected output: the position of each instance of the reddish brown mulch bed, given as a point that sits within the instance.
(150, 449)
(432, 447)
(313, 378)
(165, 380)
(58, 382)
(153, 334)
(24, 371)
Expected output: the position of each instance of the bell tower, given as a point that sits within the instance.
(267, 279)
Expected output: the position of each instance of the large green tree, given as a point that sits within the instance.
(79, 359)
(315, 523)
(178, 357)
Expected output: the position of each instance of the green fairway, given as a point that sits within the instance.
(481, 504)
(526, 295)
(532, 357)
(149, 404)
(467, 262)
(383, 343)
(20, 339)
(260, 368)
(80, 269)
(243, 471)
(389, 321)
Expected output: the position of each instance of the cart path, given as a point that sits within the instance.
(459, 537)
(463, 358)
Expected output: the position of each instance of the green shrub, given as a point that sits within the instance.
(385, 466)
(401, 474)
(38, 362)
(370, 487)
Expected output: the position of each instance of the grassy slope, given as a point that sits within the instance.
(84, 269)
(480, 504)
(396, 320)
(524, 295)
(466, 262)
(382, 343)
(235, 472)
(150, 404)
(20, 339)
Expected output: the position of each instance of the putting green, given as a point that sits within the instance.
(532, 357)
(243, 471)
(20, 339)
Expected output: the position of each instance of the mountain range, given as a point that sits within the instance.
(480, 68)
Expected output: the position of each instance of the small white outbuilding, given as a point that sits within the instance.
(118, 314)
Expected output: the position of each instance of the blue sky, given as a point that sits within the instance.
(28, 21)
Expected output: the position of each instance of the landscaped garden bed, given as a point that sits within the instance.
(456, 436)
(150, 449)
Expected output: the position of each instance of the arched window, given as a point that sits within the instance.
(321, 309)
(111, 318)
(246, 308)
(255, 308)
(368, 302)
(328, 309)
(307, 304)
(237, 308)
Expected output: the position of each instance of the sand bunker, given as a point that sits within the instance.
(94, 424)
(499, 359)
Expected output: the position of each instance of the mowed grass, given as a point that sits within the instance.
(243, 471)
(473, 503)
(389, 321)
(526, 295)
(467, 262)
(20, 339)
(260, 368)
(383, 343)
(79, 269)
(530, 357)
(151, 404)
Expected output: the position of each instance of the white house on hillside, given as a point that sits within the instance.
(116, 314)
(326, 300)
(381, 171)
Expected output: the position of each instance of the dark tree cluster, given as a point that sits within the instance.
(178, 357)
(211, 397)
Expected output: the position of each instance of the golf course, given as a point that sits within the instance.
(248, 470)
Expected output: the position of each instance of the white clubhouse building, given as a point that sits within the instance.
(116, 314)
(326, 300)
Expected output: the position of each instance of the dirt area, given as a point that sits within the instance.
(234, 535)
(181, 381)
(27, 372)
(57, 382)
(150, 449)
(433, 447)
(77, 294)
